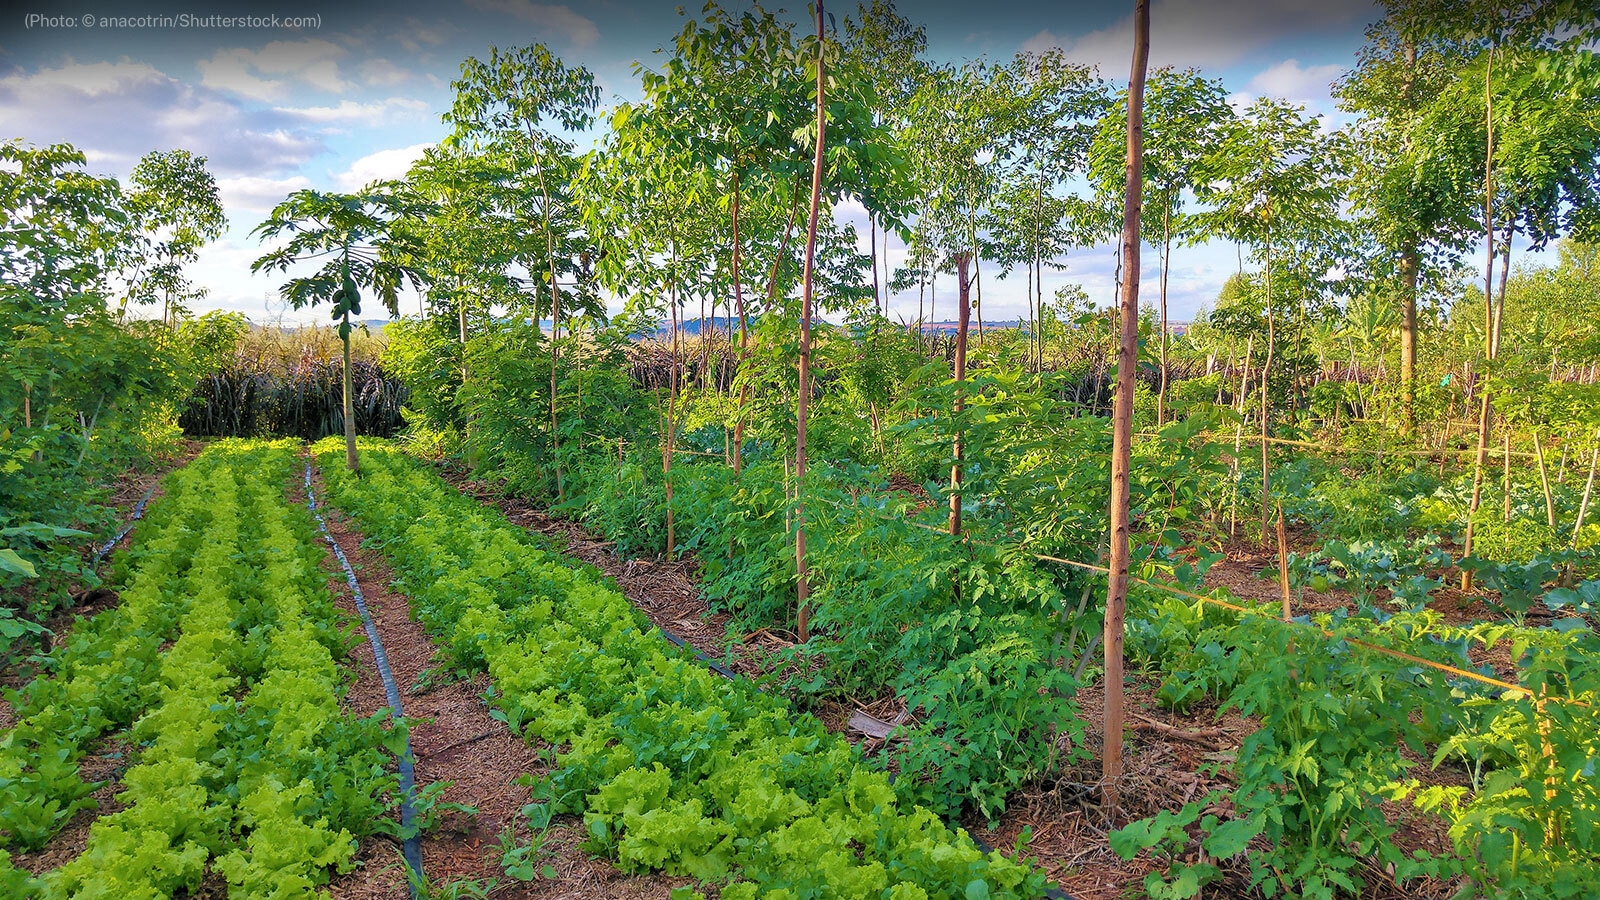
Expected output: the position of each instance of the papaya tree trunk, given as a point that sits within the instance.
(349, 404)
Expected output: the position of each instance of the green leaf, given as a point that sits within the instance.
(1231, 838)
(11, 562)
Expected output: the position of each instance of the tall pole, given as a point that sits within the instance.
(1122, 416)
(964, 318)
(803, 580)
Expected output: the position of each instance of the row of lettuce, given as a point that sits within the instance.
(671, 767)
(220, 669)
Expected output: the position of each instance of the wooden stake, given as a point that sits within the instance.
(1544, 482)
(1283, 563)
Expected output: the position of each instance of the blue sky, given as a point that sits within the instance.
(358, 94)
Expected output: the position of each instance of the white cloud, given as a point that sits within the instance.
(413, 34)
(351, 111)
(247, 72)
(1042, 41)
(382, 73)
(257, 194)
(1209, 34)
(1308, 85)
(118, 111)
(384, 164)
(579, 30)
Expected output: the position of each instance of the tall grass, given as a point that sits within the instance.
(288, 383)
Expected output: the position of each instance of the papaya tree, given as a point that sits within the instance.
(353, 237)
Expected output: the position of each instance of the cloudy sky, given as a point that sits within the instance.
(355, 93)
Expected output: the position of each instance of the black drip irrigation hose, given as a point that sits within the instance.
(1052, 892)
(412, 846)
(138, 513)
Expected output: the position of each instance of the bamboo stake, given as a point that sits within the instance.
(1238, 442)
(1505, 481)
(1544, 482)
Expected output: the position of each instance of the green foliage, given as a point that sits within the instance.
(672, 767)
(221, 664)
(79, 392)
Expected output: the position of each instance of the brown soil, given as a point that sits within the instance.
(1169, 758)
(455, 740)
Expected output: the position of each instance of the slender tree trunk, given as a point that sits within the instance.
(1266, 393)
(1486, 406)
(1505, 479)
(962, 319)
(1238, 437)
(977, 274)
(1409, 264)
(744, 342)
(461, 324)
(1166, 251)
(1122, 420)
(1033, 328)
(735, 453)
(669, 444)
(803, 583)
(872, 235)
(555, 330)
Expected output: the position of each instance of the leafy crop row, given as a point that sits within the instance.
(671, 767)
(222, 661)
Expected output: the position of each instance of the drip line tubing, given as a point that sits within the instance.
(411, 848)
(138, 513)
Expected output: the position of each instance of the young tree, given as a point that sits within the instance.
(1185, 116)
(1122, 419)
(467, 235)
(1538, 82)
(174, 203)
(352, 236)
(510, 102)
(1046, 139)
(1414, 161)
(807, 286)
(1274, 184)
